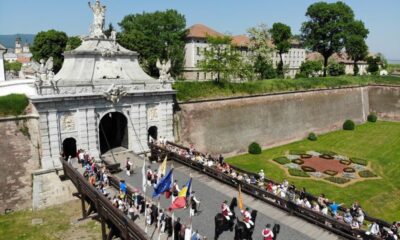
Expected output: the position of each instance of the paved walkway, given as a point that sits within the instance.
(211, 193)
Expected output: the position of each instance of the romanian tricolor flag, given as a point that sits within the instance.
(181, 199)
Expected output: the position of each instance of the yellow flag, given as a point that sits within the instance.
(163, 167)
(240, 200)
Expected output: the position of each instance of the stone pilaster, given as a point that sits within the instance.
(92, 132)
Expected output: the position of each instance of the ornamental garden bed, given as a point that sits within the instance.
(339, 169)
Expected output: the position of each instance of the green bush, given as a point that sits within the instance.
(338, 180)
(349, 125)
(366, 174)
(310, 68)
(359, 161)
(325, 152)
(254, 148)
(308, 169)
(331, 172)
(282, 160)
(298, 173)
(297, 152)
(372, 117)
(336, 69)
(312, 137)
(13, 104)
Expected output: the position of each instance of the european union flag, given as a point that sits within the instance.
(164, 184)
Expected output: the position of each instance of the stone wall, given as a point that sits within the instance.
(229, 126)
(18, 159)
(385, 101)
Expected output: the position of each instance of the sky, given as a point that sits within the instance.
(381, 17)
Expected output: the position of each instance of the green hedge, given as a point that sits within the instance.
(297, 152)
(366, 174)
(298, 173)
(372, 117)
(254, 148)
(338, 180)
(349, 125)
(312, 137)
(359, 161)
(326, 152)
(13, 104)
(282, 160)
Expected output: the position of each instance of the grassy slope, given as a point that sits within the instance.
(203, 90)
(13, 104)
(56, 224)
(376, 142)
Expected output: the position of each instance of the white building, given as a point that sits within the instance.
(2, 73)
(343, 59)
(196, 43)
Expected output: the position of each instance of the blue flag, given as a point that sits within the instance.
(164, 184)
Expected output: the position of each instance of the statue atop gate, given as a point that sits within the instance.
(99, 12)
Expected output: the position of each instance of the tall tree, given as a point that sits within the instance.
(325, 30)
(73, 42)
(261, 51)
(108, 31)
(47, 44)
(155, 35)
(221, 58)
(281, 35)
(355, 44)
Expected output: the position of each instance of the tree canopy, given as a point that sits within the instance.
(160, 34)
(73, 42)
(281, 35)
(326, 28)
(47, 44)
(355, 44)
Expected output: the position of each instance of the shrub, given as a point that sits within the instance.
(349, 170)
(372, 117)
(330, 172)
(331, 153)
(282, 160)
(297, 173)
(298, 161)
(338, 180)
(312, 137)
(345, 162)
(326, 156)
(336, 69)
(359, 161)
(254, 148)
(297, 152)
(13, 104)
(348, 125)
(310, 68)
(308, 169)
(366, 174)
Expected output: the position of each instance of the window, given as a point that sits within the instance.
(197, 76)
(205, 75)
(198, 50)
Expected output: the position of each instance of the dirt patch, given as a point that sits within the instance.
(321, 164)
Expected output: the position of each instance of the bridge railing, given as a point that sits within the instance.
(106, 211)
(317, 218)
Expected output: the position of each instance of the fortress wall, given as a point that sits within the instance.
(229, 126)
(385, 101)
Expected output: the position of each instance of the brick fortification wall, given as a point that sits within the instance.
(229, 126)
(18, 159)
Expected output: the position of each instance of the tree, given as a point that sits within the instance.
(155, 35)
(73, 42)
(261, 51)
(355, 44)
(281, 35)
(12, 66)
(373, 64)
(221, 58)
(108, 31)
(310, 68)
(325, 30)
(383, 61)
(47, 44)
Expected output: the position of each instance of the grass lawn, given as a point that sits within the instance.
(377, 142)
(13, 104)
(207, 90)
(59, 222)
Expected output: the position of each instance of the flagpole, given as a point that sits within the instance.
(144, 180)
(173, 214)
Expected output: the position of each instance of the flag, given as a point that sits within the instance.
(240, 200)
(163, 168)
(164, 184)
(144, 180)
(181, 199)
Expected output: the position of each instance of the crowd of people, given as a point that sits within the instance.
(354, 216)
(136, 205)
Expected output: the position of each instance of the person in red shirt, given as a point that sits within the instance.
(226, 211)
(267, 233)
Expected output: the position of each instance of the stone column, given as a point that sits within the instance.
(2, 73)
(46, 162)
(169, 121)
(92, 132)
(133, 128)
(52, 158)
(143, 127)
(82, 127)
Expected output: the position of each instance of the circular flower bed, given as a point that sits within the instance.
(330, 172)
(305, 155)
(307, 169)
(298, 161)
(326, 156)
(345, 162)
(349, 170)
